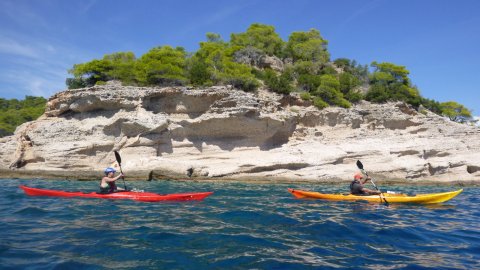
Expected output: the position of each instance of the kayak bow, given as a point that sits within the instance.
(392, 198)
(124, 195)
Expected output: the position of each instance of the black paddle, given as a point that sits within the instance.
(119, 161)
(360, 166)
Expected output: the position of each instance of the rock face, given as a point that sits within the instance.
(222, 133)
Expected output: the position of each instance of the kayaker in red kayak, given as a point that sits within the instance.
(357, 188)
(107, 185)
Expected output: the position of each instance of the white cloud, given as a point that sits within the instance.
(35, 66)
(36, 87)
(32, 82)
(477, 118)
(11, 46)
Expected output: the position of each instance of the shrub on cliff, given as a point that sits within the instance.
(116, 66)
(391, 82)
(282, 83)
(249, 56)
(214, 63)
(239, 76)
(243, 62)
(319, 103)
(14, 112)
(198, 72)
(122, 64)
(455, 111)
(260, 36)
(307, 74)
(87, 74)
(432, 105)
(162, 66)
(352, 67)
(329, 91)
(204, 67)
(308, 82)
(307, 46)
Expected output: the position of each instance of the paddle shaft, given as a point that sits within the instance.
(119, 161)
(381, 195)
(360, 166)
(371, 180)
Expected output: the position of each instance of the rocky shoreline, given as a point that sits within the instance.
(222, 134)
(134, 176)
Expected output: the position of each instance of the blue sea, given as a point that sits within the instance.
(241, 226)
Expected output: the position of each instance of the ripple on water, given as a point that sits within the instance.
(31, 211)
(240, 226)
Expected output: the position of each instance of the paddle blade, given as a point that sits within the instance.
(118, 157)
(359, 165)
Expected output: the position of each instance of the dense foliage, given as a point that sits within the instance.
(161, 66)
(455, 111)
(14, 112)
(242, 62)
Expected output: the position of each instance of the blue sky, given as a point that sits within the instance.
(437, 40)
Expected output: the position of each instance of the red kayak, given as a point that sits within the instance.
(125, 195)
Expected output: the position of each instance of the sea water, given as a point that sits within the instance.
(240, 226)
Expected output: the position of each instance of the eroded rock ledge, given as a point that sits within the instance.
(223, 133)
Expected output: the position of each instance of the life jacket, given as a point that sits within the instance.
(356, 187)
(112, 186)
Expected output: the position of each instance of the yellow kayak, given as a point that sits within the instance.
(390, 198)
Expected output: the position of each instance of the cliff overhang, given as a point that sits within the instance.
(220, 133)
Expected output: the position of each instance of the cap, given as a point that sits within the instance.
(109, 170)
(358, 176)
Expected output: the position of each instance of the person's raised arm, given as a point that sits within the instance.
(366, 179)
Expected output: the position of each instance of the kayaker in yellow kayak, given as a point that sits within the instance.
(107, 185)
(357, 188)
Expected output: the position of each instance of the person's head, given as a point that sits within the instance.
(358, 176)
(109, 171)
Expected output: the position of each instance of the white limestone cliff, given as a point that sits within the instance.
(222, 133)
